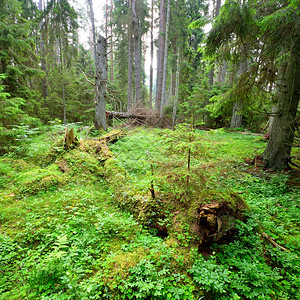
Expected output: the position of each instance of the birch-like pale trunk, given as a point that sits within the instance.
(100, 83)
(163, 94)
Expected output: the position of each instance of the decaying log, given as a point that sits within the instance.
(124, 115)
(112, 136)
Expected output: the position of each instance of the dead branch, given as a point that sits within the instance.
(87, 80)
(271, 240)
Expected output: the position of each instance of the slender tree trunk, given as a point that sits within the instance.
(42, 53)
(101, 79)
(130, 60)
(106, 20)
(160, 56)
(111, 45)
(163, 98)
(217, 8)
(137, 54)
(277, 153)
(64, 103)
(206, 118)
(151, 55)
(61, 62)
(93, 28)
(176, 88)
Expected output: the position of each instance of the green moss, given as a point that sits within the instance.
(38, 180)
(80, 164)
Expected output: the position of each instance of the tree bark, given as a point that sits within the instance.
(277, 153)
(237, 112)
(130, 59)
(160, 56)
(163, 98)
(151, 55)
(137, 54)
(101, 79)
(271, 121)
(217, 8)
(237, 116)
(176, 89)
(111, 45)
(93, 27)
(43, 60)
(106, 19)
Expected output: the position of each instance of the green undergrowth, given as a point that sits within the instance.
(83, 223)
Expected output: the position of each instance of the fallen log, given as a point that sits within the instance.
(112, 136)
(124, 115)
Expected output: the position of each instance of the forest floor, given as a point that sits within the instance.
(119, 223)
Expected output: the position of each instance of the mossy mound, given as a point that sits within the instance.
(98, 148)
(80, 164)
(40, 180)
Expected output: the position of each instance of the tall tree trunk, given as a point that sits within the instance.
(163, 96)
(206, 118)
(64, 103)
(130, 59)
(106, 19)
(176, 88)
(137, 54)
(151, 55)
(237, 111)
(160, 56)
(237, 116)
(271, 121)
(101, 79)
(278, 150)
(217, 8)
(93, 28)
(111, 45)
(43, 60)
(61, 62)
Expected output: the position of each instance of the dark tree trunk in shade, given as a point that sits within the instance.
(277, 153)
(101, 79)
(237, 116)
